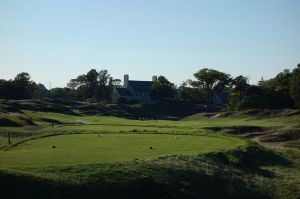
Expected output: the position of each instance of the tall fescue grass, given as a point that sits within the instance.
(283, 134)
(15, 119)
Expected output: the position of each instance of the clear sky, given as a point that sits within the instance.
(57, 40)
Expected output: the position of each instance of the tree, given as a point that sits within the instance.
(19, 88)
(240, 84)
(41, 91)
(8, 89)
(234, 102)
(162, 89)
(281, 82)
(109, 88)
(276, 91)
(253, 97)
(22, 79)
(25, 87)
(295, 86)
(72, 85)
(262, 97)
(58, 93)
(211, 81)
(190, 94)
(105, 85)
(93, 85)
(78, 87)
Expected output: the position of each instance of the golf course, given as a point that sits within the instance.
(58, 154)
(149, 99)
(107, 148)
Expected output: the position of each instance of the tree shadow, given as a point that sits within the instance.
(252, 160)
(231, 174)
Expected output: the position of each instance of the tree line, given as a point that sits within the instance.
(210, 87)
(282, 91)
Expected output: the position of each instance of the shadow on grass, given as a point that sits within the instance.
(56, 106)
(252, 160)
(183, 185)
(7, 122)
(237, 129)
(232, 174)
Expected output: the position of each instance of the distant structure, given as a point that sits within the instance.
(133, 90)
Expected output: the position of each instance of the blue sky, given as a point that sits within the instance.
(57, 40)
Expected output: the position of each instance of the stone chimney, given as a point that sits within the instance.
(154, 78)
(126, 79)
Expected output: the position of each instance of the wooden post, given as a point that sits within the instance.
(8, 138)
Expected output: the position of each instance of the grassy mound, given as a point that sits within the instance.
(238, 173)
(15, 119)
(239, 130)
(132, 111)
(283, 134)
(292, 144)
(51, 105)
(254, 113)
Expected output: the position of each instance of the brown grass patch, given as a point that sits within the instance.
(15, 119)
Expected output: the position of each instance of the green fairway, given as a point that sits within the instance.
(107, 148)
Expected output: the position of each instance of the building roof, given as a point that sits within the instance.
(140, 86)
(123, 91)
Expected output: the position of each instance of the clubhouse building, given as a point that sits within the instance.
(134, 90)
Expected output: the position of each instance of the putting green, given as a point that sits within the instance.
(106, 148)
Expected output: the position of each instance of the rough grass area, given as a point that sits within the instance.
(15, 119)
(276, 127)
(287, 133)
(254, 113)
(247, 131)
(292, 144)
(130, 111)
(239, 173)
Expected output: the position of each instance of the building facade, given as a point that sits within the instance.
(134, 90)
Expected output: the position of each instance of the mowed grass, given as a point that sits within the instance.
(110, 156)
(109, 148)
(121, 139)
